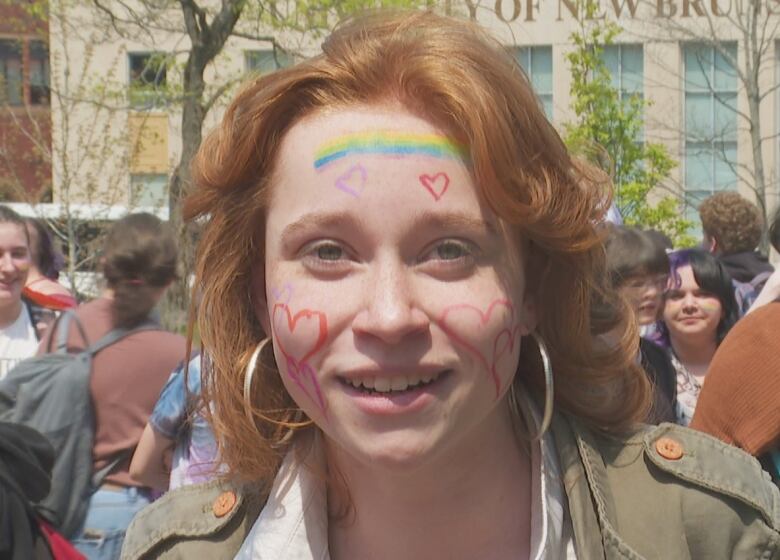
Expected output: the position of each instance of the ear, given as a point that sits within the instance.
(259, 297)
(710, 243)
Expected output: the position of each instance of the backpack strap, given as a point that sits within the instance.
(118, 334)
(61, 326)
(100, 476)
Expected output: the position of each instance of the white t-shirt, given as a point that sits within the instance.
(17, 342)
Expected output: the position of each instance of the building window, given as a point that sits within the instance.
(710, 123)
(537, 63)
(147, 79)
(626, 68)
(267, 60)
(148, 190)
(39, 73)
(11, 91)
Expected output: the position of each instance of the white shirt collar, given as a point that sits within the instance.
(294, 522)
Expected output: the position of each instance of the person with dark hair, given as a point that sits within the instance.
(399, 272)
(639, 269)
(138, 264)
(42, 291)
(699, 310)
(18, 337)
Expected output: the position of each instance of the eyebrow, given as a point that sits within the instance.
(456, 220)
(429, 219)
(319, 220)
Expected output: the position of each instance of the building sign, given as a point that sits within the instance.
(509, 11)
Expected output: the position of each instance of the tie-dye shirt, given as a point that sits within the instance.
(177, 416)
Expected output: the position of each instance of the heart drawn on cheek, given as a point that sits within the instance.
(459, 320)
(353, 181)
(436, 184)
(309, 330)
(305, 377)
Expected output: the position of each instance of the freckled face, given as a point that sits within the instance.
(403, 331)
(690, 311)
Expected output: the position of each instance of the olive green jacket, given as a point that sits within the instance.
(666, 492)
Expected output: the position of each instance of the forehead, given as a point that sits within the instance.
(369, 159)
(12, 235)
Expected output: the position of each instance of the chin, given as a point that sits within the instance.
(400, 452)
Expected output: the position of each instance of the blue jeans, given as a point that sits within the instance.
(110, 513)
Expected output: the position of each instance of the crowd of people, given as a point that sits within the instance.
(416, 319)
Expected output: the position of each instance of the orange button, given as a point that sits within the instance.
(224, 504)
(669, 448)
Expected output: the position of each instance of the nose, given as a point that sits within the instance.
(389, 312)
(7, 263)
(689, 303)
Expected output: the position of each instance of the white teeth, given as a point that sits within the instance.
(399, 383)
(392, 383)
(382, 385)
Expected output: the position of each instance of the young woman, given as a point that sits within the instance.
(399, 253)
(638, 266)
(18, 339)
(699, 309)
(138, 264)
(177, 447)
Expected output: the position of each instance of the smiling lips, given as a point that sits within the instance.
(395, 383)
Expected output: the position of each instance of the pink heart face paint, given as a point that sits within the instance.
(463, 320)
(691, 313)
(404, 332)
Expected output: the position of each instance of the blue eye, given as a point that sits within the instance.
(451, 250)
(330, 252)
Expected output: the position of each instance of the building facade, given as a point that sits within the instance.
(25, 116)
(709, 78)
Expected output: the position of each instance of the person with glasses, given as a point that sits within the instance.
(638, 267)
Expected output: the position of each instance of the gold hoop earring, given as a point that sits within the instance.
(549, 387)
(249, 374)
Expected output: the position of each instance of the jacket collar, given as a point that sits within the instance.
(591, 504)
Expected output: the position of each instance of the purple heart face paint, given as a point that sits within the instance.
(404, 332)
(690, 312)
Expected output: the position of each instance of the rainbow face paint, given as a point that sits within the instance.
(388, 143)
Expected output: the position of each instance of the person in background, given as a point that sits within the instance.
(138, 264)
(177, 425)
(42, 292)
(18, 338)
(638, 267)
(740, 403)
(771, 289)
(732, 227)
(699, 310)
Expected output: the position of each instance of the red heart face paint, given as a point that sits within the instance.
(463, 321)
(403, 334)
(299, 337)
